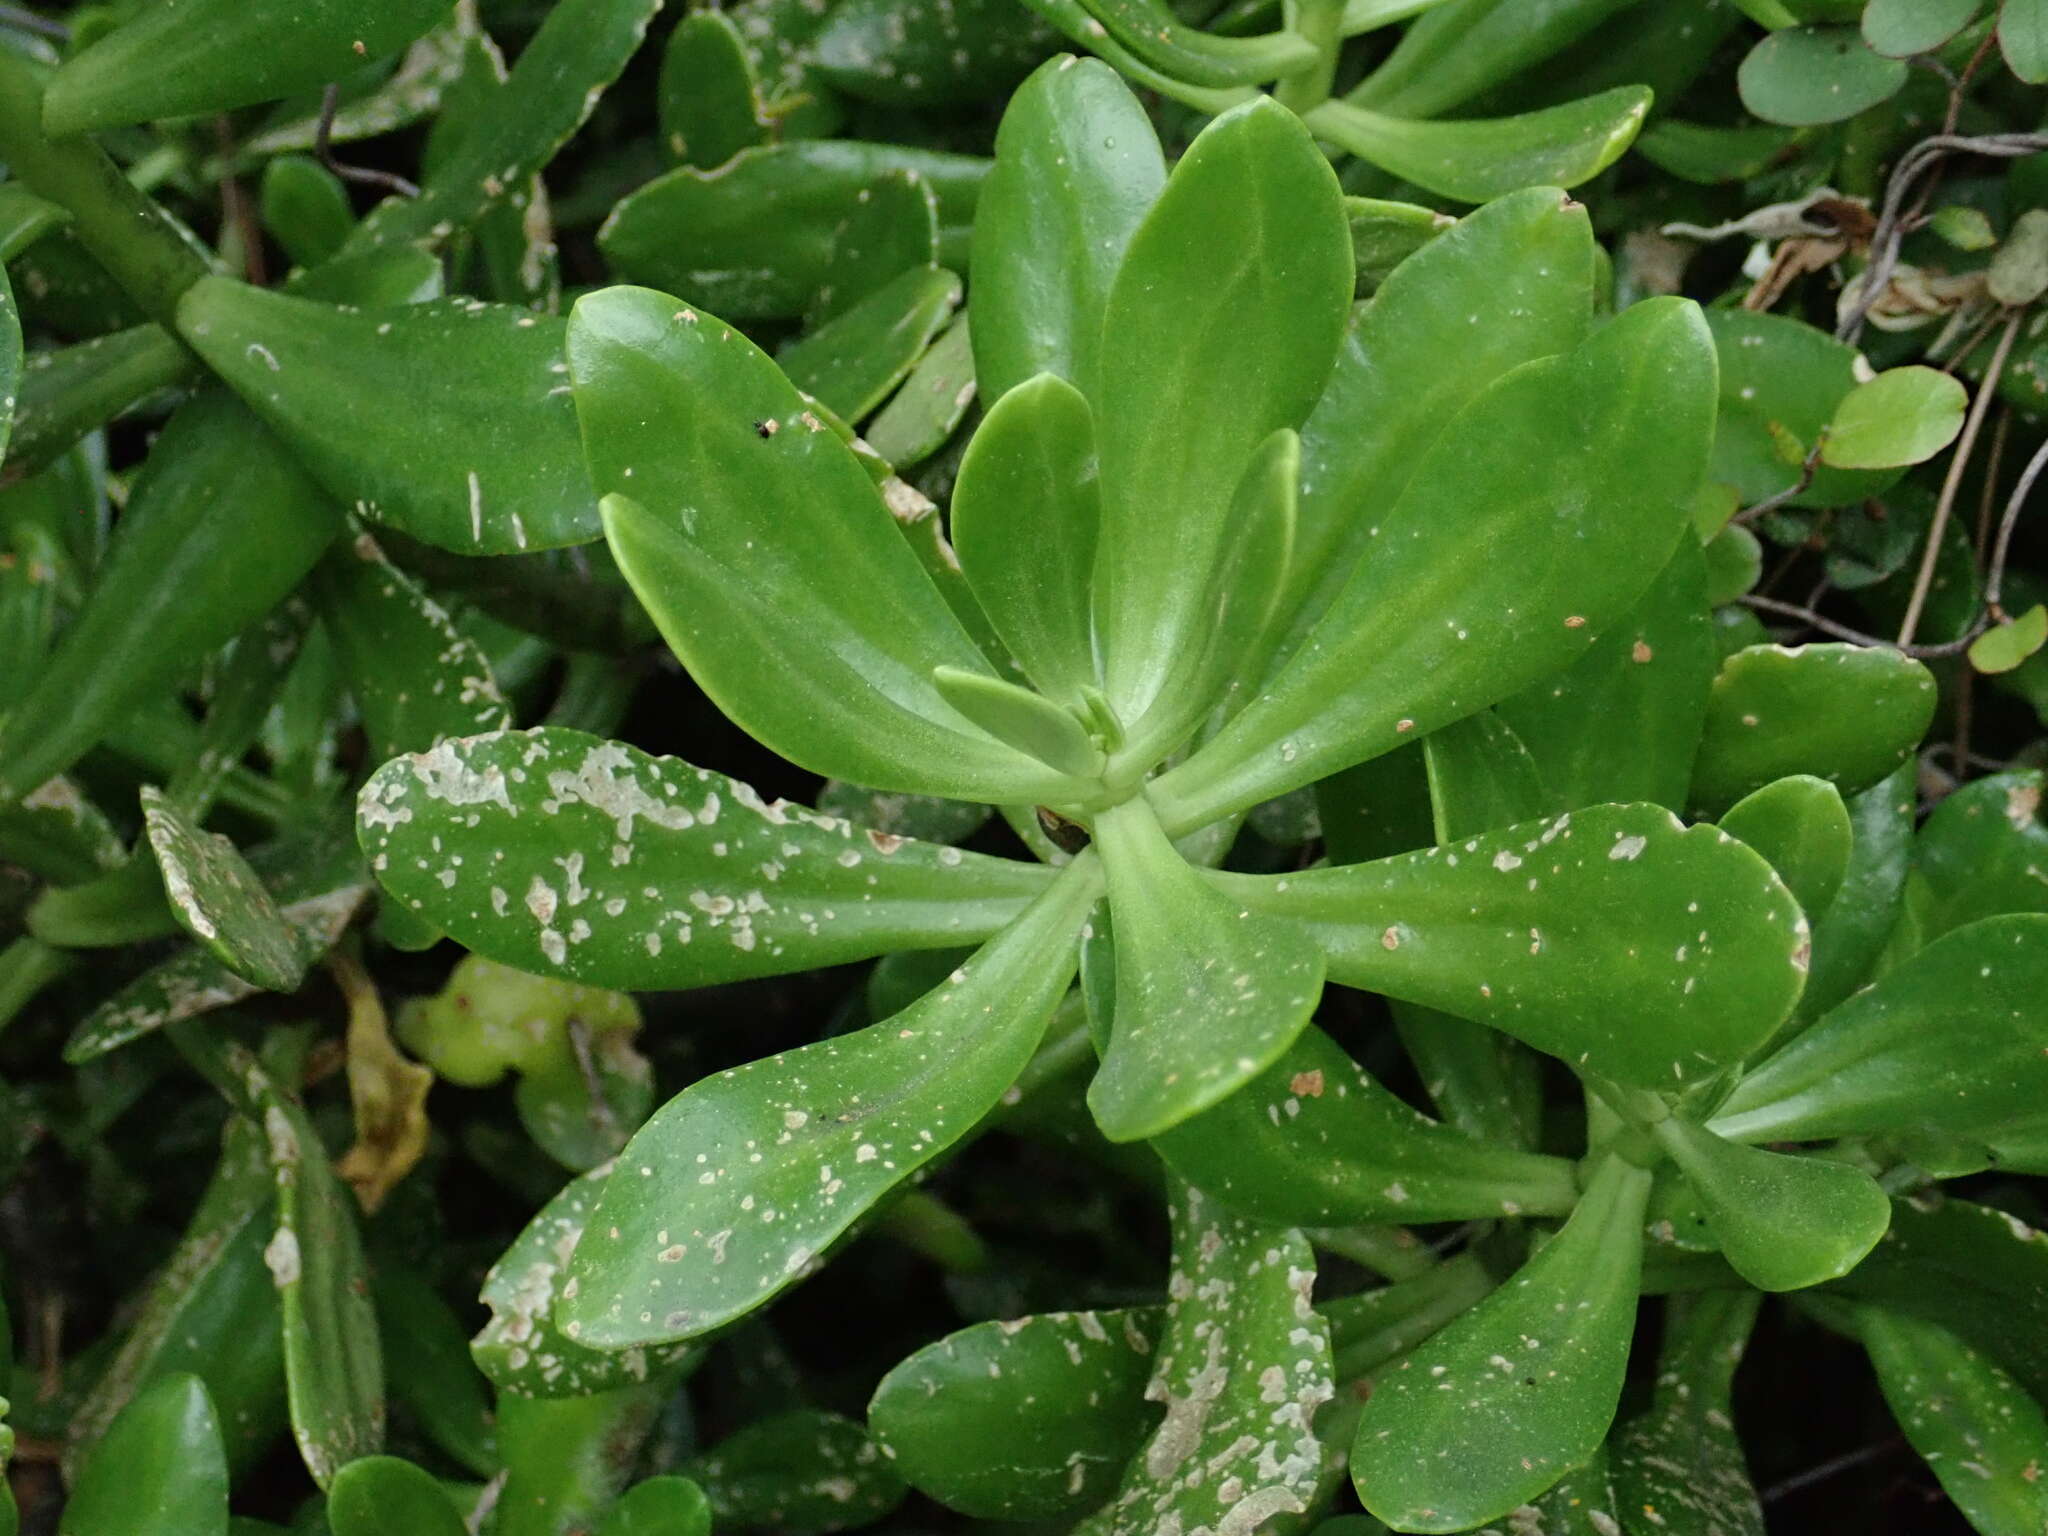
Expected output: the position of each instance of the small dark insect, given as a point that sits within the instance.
(1067, 836)
(767, 428)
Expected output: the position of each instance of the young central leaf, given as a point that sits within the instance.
(1222, 325)
(768, 560)
(1208, 993)
(1024, 519)
(727, 1195)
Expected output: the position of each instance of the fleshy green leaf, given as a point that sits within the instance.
(1850, 932)
(580, 831)
(211, 1310)
(579, 49)
(449, 420)
(1981, 1434)
(1521, 1389)
(1784, 1222)
(417, 674)
(1849, 714)
(520, 1349)
(1479, 158)
(1208, 994)
(1614, 938)
(219, 900)
(1508, 283)
(1026, 1420)
(1226, 312)
(1584, 466)
(220, 525)
(2004, 646)
(678, 1246)
(1623, 722)
(659, 1506)
(753, 238)
(709, 97)
(800, 1473)
(389, 1496)
(191, 58)
(853, 360)
(1679, 1462)
(768, 559)
(1028, 721)
(933, 401)
(1024, 520)
(1816, 74)
(1903, 416)
(1077, 165)
(1802, 827)
(568, 1459)
(1899, 29)
(1461, 49)
(1152, 31)
(1244, 1367)
(1981, 852)
(893, 229)
(158, 1471)
(2023, 38)
(1315, 1142)
(1950, 1039)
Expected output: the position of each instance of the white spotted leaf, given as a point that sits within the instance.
(1244, 1369)
(219, 900)
(1616, 938)
(1951, 1040)
(1209, 993)
(1520, 1390)
(566, 855)
(730, 1192)
(450, 420)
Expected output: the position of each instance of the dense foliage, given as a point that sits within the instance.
(813, 767)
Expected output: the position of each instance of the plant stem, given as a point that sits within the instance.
(1393, 1252)
(1321, 23)
(1923, 581)
(126, 232)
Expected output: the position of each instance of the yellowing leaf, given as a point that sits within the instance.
(388, 1089)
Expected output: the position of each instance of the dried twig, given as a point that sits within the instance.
(361, 175)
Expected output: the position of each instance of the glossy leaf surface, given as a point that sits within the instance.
(679, 1243)
(1613, 938)
(1315, 1142)
(1434, 624)
(1480, 158)
(1802, 828)
(1978, 852)
(1903, 416)
(1032, 1419)
(1845, 713)
(1901, 28)
(1208, 994)
(471, 443)
(158, 1471)
(521, 1349)
(754, 533)
(1982, 1435)
(388, 1496)
(804, 1472)
(1849, 933)
(220, 525)
(583, 830)
(1232, 320)
(853, 360)
(1520, 1390)
(1025, 514)
(1784, 1222)
(186, 58)
(659, 1506)
(1680, 1460)
(1509, 283)
(1077, 165)
(753, 238)
(1951, 1039)
(1815, 74)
